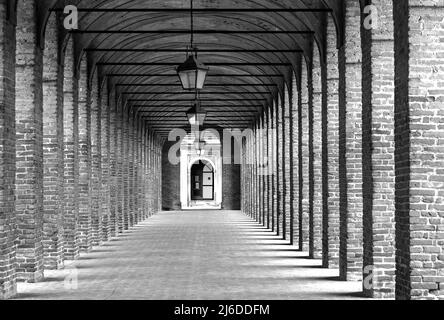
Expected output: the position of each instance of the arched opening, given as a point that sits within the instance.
(202, 181)
(201, 171)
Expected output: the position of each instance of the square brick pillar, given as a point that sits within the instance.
(71, 154)
(84, 159)
(350, 148)
(119, 168)
(152, 172)
(378, 148)
(280, 147)
(265, 170)
(257, 164)
(96, 163)
(113, 155)
(259, 171)
(287, 160)
(139, 174)
(8, 236)
(331, 221)
(29, 145)
(105, 142)
(270, 165)
(125, 170)
(419, 154)
(305, 158)
(131, 169)
(316, 183)
(275, 167)
(294, 119)
(52, 148)
(249, 176)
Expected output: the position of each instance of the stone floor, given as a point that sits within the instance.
(193, 255)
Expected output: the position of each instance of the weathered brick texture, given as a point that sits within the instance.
(8, 235)
(378, 145)
(287, 160)
(29, 145)
(295, 158)
(316, 198)
(305, 158)
(71, 164)
(53, 149)
(96, 163)
(419, 63)
(331, 222)
(113, 163)
(105, 147)
(350, 150)
(280, 166)
(84, 200)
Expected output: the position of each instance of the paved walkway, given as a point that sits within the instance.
(193, 255)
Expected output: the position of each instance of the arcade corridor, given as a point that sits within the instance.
(317, 127)
(197, 255)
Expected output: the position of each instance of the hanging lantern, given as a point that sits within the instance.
(196, 116)
(192, 74)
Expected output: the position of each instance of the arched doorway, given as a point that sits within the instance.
(201, 172)
(202, 181)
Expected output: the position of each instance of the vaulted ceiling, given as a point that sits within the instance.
(251, 47)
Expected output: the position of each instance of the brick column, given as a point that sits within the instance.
(113, 162)
(266, 171)
(257, 150)
(248, 175)
(8, 236)
(288, 208)
(52, 149)
(294, 136)
(84, 199)
(144, 171)
(96, 163)
(140, 176)
(259, 171)
(125, 172)
(378, 145)
(131, 168)
(280, 167)
(350, 148)
(151, 173)
(331, 215)
(419, 96)
(316, 158)
(275, 169)
(71, 164)
(119, 169)
(304, 193)
(105, 142)
(29, 145)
